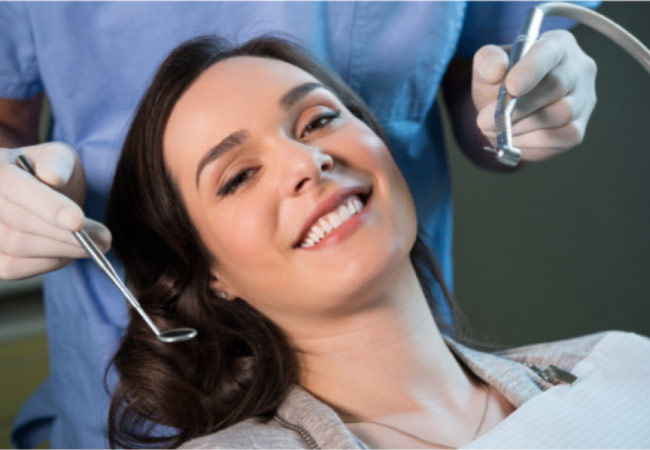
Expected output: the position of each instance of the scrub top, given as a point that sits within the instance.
(94, 61)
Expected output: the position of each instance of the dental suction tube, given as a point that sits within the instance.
(508, 154)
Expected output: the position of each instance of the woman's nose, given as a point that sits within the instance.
(304, 165)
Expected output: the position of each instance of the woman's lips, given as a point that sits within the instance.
(330, 204)
(344, 231)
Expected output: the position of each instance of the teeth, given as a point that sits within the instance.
(330, 221)
(344, 212)
(355, 205)
(327, 227)
(318, 231)
(335, 219)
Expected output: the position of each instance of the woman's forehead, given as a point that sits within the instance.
(236, 93)
(242, 77)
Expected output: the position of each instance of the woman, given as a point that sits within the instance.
(256, 201)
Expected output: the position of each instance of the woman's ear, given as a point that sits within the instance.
(219, 289)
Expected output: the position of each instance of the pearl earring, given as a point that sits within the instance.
(223, 294)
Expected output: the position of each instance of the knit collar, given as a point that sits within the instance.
(323, 427)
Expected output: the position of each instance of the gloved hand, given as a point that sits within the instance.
(555, 82)
(37, 216)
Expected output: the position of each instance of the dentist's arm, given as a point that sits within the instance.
(555, 82)
(37, 216)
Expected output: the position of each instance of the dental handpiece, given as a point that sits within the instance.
(174, 335)
(506, 152)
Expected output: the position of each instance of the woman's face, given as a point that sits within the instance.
(256, 146)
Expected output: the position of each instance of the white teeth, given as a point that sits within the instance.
(318, 231)
(344, 212)
(335, 219)
(358, 204)
(330, 221)
(327, 227)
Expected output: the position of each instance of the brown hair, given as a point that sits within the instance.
(241, 364)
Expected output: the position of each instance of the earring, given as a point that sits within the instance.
(222, 294)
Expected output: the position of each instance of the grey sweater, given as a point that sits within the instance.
(302, 421)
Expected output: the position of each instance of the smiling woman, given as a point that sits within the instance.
(240, 163)
(257, 201)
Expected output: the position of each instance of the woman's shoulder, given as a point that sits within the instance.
(516, 374)
(301, 421)
(569, 352)
(249, 433)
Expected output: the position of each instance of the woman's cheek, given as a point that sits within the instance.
(374, 154)
(246, 232)
(251, 234)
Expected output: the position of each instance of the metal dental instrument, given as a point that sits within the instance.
(508, 154)
(174, 335)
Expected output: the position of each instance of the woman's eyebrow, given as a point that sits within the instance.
(295, 94)
(228, 143)
(290, 98)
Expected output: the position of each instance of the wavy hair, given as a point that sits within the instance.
(241, 364)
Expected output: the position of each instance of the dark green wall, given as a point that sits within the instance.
(562, 248)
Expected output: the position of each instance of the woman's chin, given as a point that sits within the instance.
(355, 279)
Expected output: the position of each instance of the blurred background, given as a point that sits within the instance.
(554, 250)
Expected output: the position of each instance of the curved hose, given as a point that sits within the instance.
(603, 25)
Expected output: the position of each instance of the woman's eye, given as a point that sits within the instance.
(237, 181)
(320, 121)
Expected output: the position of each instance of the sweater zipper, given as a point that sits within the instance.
(298, 429)
(553, 374)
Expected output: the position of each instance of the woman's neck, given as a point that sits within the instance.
(387, 361)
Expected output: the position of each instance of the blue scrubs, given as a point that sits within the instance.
(94, 61)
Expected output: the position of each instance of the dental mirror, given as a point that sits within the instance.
(177, 335)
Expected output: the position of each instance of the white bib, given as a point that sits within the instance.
(607, 407)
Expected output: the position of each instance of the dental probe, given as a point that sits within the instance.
(174, 335)
(508, 154)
